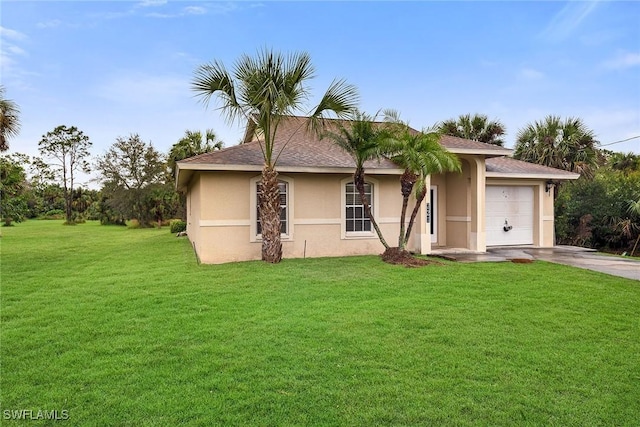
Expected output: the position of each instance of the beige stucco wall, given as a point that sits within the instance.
(193, 211)
(221, 214)
(457, 219)
(224, 228)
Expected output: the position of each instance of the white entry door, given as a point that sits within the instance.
(509, 215)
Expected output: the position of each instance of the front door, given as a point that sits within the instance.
(432, 213)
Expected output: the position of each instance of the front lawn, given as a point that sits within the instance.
(121, 327)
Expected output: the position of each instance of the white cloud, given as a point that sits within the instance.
(12, 34)
(144, 89)
(9, 56)
(623, 60)
(151, 3)
(215, 8)
(568, 19)
(194, 10)
(53, 23)
(530, 74)
(190, 10)
(15, 50)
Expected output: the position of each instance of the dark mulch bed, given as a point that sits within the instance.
(398, 257)
(521, 260)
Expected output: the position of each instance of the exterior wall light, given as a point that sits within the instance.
(548, 186)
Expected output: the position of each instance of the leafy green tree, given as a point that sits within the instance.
(420, 155)
(105, 213)
(130, 169)
(163, 202)
(362, 139)
(66, 151)
(13, 205)
(476, 127)
(564, 144)
(263, 90)
(599, 212)
(634, 211)
(9, 120)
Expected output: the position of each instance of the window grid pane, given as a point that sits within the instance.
(356, 219)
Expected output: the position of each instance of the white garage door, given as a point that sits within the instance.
(509, 215)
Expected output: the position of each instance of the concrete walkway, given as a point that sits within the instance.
(567, 255)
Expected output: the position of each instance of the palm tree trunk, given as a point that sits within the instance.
(270, 216)
(414, 213)
(358, 181)
(407, 181)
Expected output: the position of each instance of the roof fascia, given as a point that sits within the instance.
(481, 152)
(285, 169)
(532, 175)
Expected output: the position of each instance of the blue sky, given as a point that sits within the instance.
(113, 68)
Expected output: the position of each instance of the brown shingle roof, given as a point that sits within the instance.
(303, 150)
(507, 166)
(461, 146)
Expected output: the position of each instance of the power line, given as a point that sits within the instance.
(622, 140)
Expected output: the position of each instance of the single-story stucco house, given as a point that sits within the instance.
(495, 201)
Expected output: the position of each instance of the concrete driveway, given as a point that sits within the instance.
(567, 255)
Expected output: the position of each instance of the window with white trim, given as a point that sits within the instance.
(356, 220)
(284, 209)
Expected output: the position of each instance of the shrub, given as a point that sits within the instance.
(53, 214)
(134, 223)
(178, 226)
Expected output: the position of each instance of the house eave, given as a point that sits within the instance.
(476, 152)
(186, 170)
(557, 177)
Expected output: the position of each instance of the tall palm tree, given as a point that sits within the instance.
(477, 128)
(263, 90)
(420, 154)
(361, 138)
(9, 120)
(563, 144)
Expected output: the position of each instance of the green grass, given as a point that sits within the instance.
(121, 327)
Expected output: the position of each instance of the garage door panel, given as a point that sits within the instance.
(510, 206)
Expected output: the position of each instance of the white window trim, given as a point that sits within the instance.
(253, 203)
(349, 235)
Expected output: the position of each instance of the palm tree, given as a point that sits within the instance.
(625, 162)
(477, 128)
(567, 145)
(9, 120)
(361, 138)
(191, 144)
(633, 209)
(263, 90)
(420, 154)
